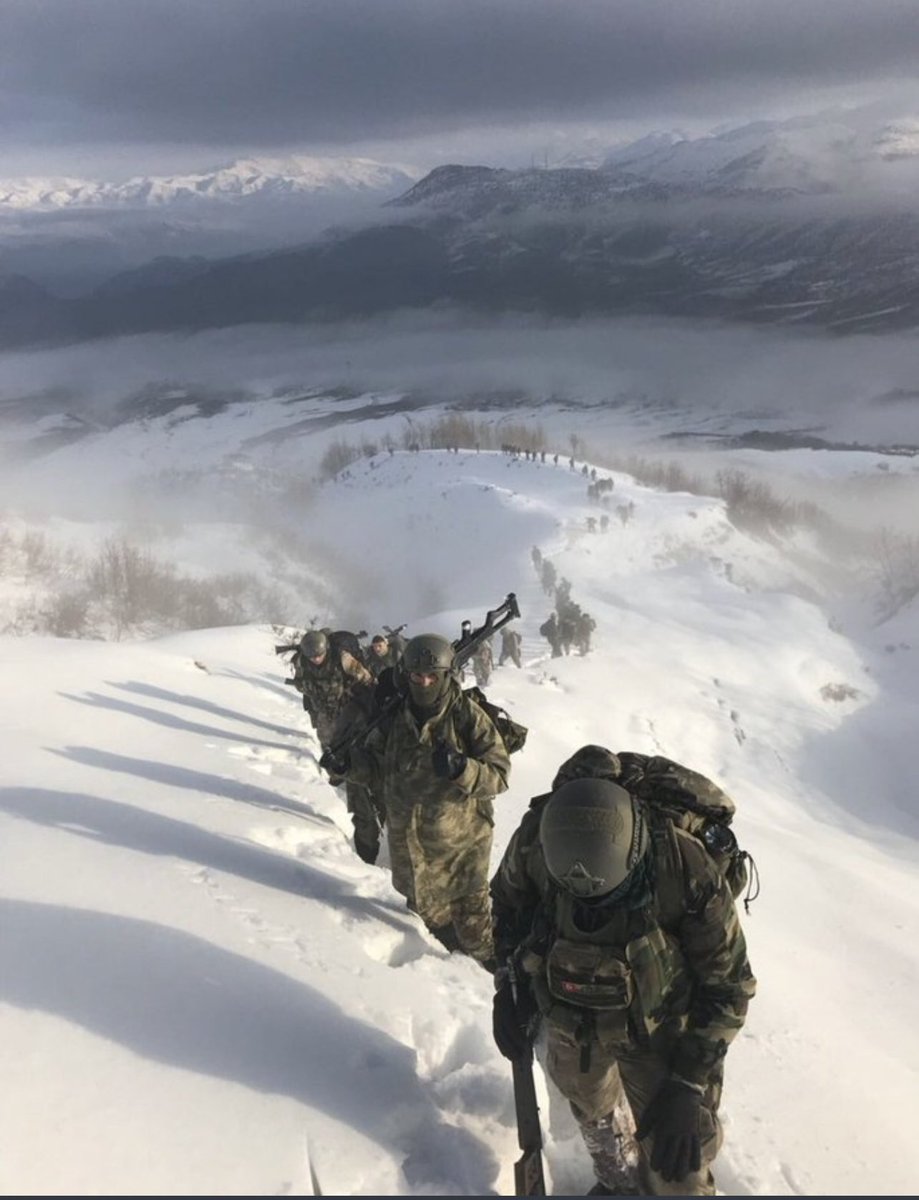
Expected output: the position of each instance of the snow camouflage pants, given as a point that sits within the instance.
(638, 1072)
(440, 855)
(470, 919)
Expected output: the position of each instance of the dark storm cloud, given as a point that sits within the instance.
(268, 72)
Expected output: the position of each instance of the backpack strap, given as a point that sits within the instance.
(670, 872)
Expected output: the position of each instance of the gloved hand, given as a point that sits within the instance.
(509, 1019)
(335, 764)
(448, 764)
(673, 1117)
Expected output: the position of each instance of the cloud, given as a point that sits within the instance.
(270, 73)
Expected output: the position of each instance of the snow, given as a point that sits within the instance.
(204, 991)
(294, 175)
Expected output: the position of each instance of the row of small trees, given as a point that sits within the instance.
(121, 591)
(751, 504)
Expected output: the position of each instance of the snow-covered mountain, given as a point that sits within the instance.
(244, 179)
(804, 222)
(848, 155)
(800, 156)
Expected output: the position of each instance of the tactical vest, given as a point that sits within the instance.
(328, 686)
(622, 982)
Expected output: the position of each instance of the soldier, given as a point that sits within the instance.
(584, 626)
(483, 663)
(549, 630)
(338, 696)
(397, 642)
(548, 576)
(437, 762)
(382, 655)
(567, 625)
(627, 946)
(511, 642)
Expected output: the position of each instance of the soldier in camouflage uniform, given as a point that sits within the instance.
(338, 696)
(628, 948)
(437, 763)
(511, 641)
(382, 655)
(483, 663)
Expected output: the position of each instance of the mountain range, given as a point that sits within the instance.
(244, 179)
(804, 222)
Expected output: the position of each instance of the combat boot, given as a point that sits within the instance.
(446, 935)
(615, 1158)
(367, 844)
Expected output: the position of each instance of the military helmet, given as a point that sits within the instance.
(593, 834)
(426, 653)
(314, 643)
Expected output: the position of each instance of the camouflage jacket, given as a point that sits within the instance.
(440, 830)
(329, 690)
(378, 663)
(679, 962)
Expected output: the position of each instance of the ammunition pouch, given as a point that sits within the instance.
(589, 976)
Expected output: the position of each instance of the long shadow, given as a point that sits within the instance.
(217, 710)
(184, 777)
(263, 682)
(159, 717)
(177, 999)
(137, 829)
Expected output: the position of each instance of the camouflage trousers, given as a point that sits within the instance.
(367, 817)
(637, 1073)
(464, 924)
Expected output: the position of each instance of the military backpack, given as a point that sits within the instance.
(693, 803)
(513, 734)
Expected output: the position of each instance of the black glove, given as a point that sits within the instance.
(673, 1117)
(335, 764)
(448, 764)
(510, 1018)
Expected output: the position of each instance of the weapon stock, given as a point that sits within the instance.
(286, 649)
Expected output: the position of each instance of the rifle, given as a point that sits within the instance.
(529, 1179)
(286, 649)
(495, 618)
(394, 632)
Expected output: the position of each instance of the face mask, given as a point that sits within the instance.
(427, 698)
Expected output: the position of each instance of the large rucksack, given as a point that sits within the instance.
(344, 639)
(512, 732)
(693, 803)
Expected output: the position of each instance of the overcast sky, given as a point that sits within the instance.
(116, 87)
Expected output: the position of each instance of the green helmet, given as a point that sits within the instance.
(314, 643)
(593, 835)
(426, 653)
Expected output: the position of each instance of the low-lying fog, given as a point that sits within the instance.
(232, 426)
(667, 376)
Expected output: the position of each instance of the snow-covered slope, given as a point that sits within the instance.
(824, 153)
(204, 991)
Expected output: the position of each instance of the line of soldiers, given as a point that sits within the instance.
(605, 925)
(568, 624)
